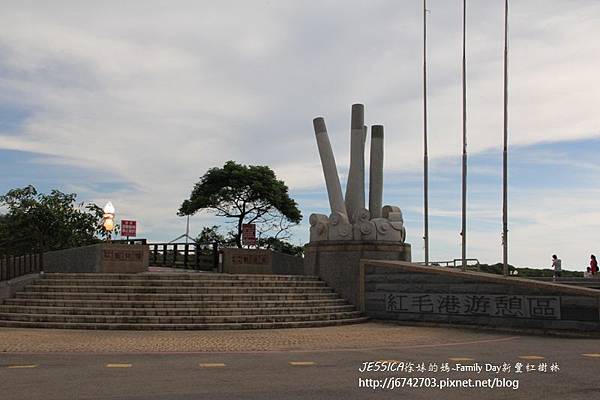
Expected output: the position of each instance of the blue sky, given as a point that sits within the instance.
(538, 174)
(133, 102)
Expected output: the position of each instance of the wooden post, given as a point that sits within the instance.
(174, 255)
(215, 256)
(186, 249)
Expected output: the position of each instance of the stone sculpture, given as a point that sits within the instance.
(349, 219)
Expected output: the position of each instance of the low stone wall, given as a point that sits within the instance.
(410, 292)
(9, 288)
(338, 262)
(99, 258)
(286, 264)
(260, 261)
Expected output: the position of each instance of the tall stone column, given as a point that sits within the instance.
(332, 179)
(376, 172)
(355, 189)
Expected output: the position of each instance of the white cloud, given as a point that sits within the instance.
(158, 92)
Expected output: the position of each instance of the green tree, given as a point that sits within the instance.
(211, 234)
(281, 246)
(246, 194)
(36, 222)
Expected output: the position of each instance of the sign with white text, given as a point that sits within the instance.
(128, 228)
(249, 234)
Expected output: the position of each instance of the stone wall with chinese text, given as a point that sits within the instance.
(410, 292)
(98, 258)
(260, 261)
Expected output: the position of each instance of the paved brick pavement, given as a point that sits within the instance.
(361, 336)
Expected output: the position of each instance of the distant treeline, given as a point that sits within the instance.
(524, 271)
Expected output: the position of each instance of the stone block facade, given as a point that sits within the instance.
(411, 292)
(338, 262)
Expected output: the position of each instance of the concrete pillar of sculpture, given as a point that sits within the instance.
(376, 172)
(319, 227)
(332, 179)
(355, 189)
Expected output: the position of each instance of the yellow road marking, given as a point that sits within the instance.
(211, 365)
(302, 363)
(22, 366)
(591, 354)
(531, 357)
(118, 365)
(461, 359)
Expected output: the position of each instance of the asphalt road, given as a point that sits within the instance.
(330, 374)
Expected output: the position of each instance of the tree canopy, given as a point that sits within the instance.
(37, 222)
(211, 234)
(246, 194)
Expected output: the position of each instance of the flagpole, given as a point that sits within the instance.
(425, 150)
(464, 155)
(505, 152)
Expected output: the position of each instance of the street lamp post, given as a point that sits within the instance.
(108, 219)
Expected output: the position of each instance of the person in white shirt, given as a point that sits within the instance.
(556, 266)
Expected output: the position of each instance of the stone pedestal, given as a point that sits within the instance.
(338, 262)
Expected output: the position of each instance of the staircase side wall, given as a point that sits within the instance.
(415, 293)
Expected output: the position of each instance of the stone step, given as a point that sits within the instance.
(175, 296)
(187, 276)
(175, 301)
(176, 282)
(174, 289)
(174, 311)
(170, 327)
(171, 304)
(176, 320)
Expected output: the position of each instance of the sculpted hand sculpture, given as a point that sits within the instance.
(349, 219)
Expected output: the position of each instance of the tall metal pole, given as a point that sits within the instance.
(505, 152)
(464, 156)
(425, 151)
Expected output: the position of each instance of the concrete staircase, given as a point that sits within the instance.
(176, 301)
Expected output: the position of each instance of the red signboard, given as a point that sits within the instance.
(128, 228)
(249, 234)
